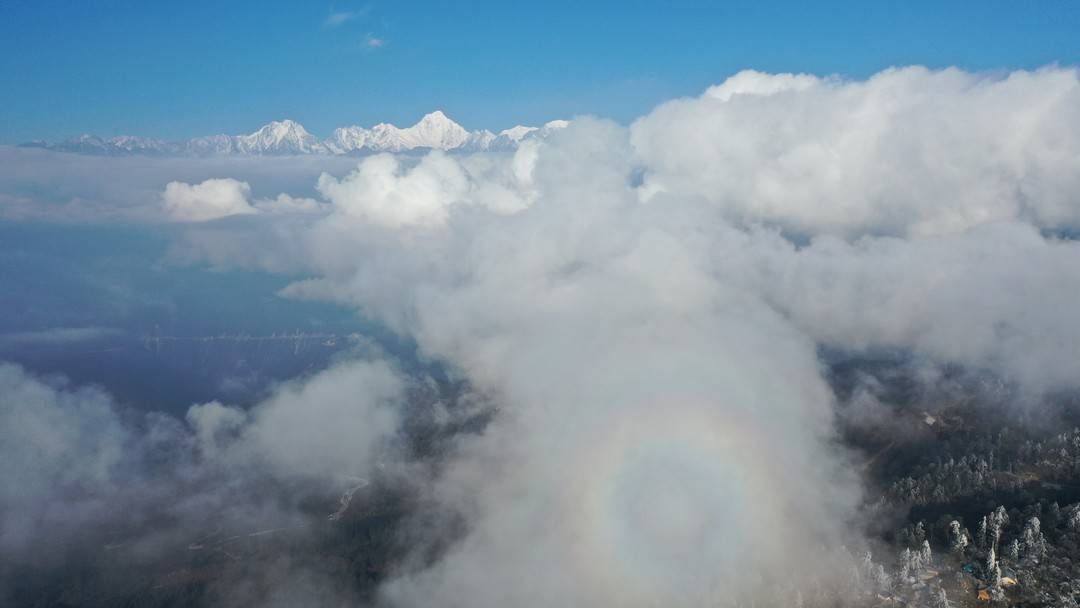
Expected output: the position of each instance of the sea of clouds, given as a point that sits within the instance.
(644, 306)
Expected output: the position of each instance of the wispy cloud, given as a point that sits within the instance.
(59, 335)
(337, 18)
(374, 42)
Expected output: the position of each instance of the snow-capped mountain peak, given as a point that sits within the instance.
(434, 131)
(517, 133)
(280, 136)
(439, 119)
(281, 130)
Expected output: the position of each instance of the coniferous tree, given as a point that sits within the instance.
(938, 599)
(1034, 541)
(958, 540)
(1014, 550)
(992, 570)
(998, 520)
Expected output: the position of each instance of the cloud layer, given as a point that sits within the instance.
(649, 331)
(644, 306)
(87, 473)
(907, 152)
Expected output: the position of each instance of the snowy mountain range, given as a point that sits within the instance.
(435, 131)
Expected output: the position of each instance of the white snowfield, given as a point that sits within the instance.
(435, 131)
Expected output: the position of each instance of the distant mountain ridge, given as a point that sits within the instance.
(435, 131)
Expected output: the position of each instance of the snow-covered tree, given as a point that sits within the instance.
(919, 533)
(925, 555)
(882, 581)
(1034, 541)
(938, 599)
(998, 520)
(958, 540)
(1074, 519)
(992, 570)
(908, 565)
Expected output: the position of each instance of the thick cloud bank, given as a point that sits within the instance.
(644, 306)
(650, 333)
(663, 433)
(907, 152)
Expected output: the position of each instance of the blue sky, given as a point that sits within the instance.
(179, 69)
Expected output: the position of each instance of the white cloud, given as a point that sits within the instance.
(644, 306)
(217, 198)
(752, 82)
(216, 425)
(55, 186)
(52, 439)
(78, 468)
(618, 360)
(389, 191)
(330, 425)
(907, 152)
(997, 297)
(209, 200)
(285, 203)
(385, 192)
(374, 42)
(645, 327)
